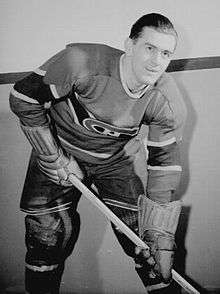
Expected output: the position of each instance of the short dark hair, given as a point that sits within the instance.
(154, 20)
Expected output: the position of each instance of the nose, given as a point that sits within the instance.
(155, 58)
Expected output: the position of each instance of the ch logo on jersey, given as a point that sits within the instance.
(107, 129)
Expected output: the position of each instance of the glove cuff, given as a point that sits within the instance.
(162, 218)
(42, 140)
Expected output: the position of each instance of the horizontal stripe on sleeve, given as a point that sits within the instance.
(167, 155)
(23, 97)
(33, 86)
(166, 168)
(162, 143)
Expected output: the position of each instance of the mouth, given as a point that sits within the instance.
(151, 70)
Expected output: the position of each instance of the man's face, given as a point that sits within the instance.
(150, 55)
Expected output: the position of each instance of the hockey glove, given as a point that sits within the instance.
(157, 227)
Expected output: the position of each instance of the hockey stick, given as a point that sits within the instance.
(124, 228)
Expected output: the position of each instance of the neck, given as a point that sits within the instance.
(133, 85)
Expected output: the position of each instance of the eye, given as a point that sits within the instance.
(149, 48)
(166, 54)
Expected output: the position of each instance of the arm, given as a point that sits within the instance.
(164, 165)
(158, 214)
(29, 100)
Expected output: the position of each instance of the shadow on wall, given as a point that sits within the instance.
(181, 233)
(187, 137)
(181, 252)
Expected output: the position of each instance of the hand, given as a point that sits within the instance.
(161, 254)
(154, 271)
(59, 168)
(157, 227)
(143, 257)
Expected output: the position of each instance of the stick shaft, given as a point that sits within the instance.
(124, 228)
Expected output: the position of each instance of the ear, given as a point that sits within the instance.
(128, 45)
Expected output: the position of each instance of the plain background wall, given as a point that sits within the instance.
(33, 30)
(30, 32)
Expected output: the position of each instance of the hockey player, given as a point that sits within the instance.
(82, 111)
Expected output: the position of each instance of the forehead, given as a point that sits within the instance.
(161, 40)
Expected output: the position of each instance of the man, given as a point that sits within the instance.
(82, 111)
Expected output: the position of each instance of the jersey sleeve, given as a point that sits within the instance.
(31, 97)
(164, 138)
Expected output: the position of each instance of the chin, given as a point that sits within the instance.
(151, 80)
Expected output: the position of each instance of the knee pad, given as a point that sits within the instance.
(50, 238)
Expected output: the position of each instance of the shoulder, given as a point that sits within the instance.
(79, 60)
(167, 108)
(94, 59)
(168, 88)
(91, 49)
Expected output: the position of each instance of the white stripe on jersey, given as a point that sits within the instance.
(42, 268)
(162, 143)
(165, 168)
(40, 72)
(94, 154)
(54, 91)
(23, 97)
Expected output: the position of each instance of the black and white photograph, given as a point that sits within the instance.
(109, 147)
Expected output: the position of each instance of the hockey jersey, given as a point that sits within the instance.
(82, 92)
